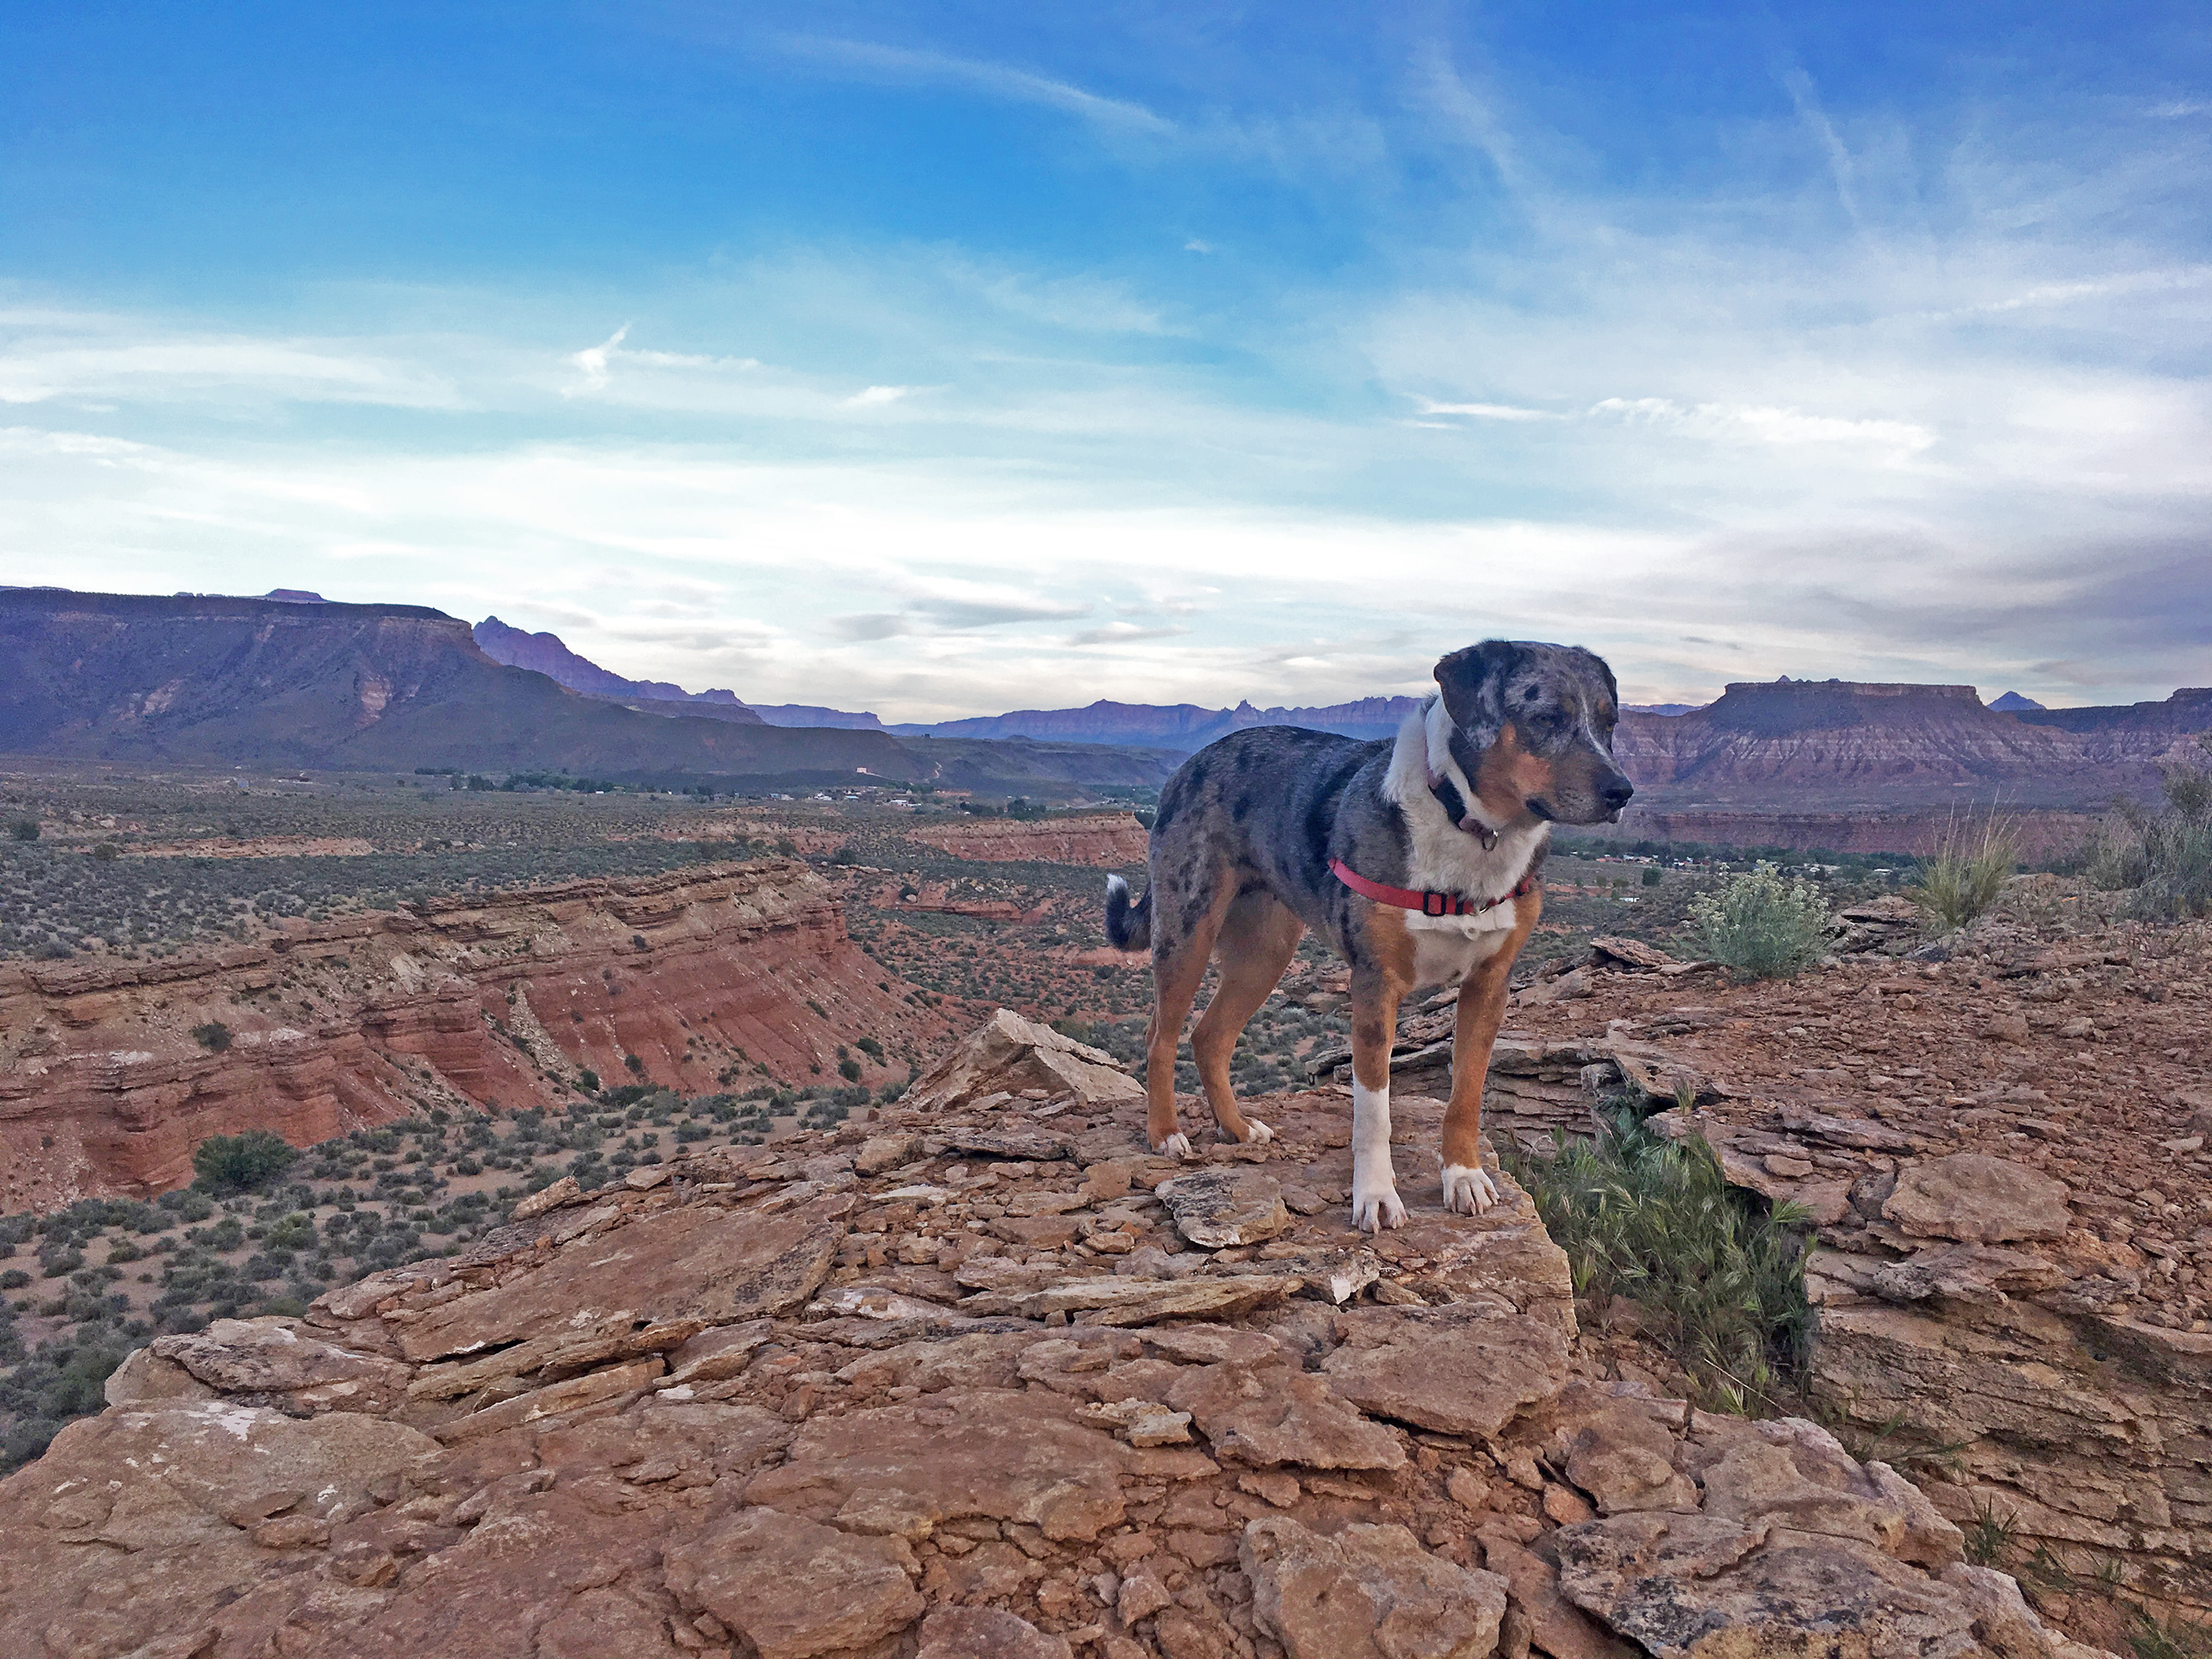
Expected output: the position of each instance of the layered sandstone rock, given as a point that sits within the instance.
(2001, 1159)
(499, 1001)
(1110, 840)
(812, 1400)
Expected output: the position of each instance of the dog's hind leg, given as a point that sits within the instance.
(1182, 939)
(1258, 939)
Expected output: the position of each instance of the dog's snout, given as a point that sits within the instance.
(1615, 791)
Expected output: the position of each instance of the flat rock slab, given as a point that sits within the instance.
(1460, 1369)
(1133, 1301)
(1367, 1593)
(696, 1261)
(795, 1588)
(1977, 1200)
(1788, 1473)
(1698, 1587)
(1034, 1144)
(1005, 1454)
(1215, 1209)
(1271, 1413)
(270, 1357)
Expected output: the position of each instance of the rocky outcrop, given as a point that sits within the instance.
(2002, 1160)
(1010, 1055)
(501, 1001)
(826, 1400)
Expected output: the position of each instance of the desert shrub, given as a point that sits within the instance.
(1761, 925)
(23, 829)
(240, 1164)
(2165, 856)
(1968, 872)
(214, 1036)
(1719, 1282)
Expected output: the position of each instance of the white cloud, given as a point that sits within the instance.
(998, 79)
(1487, 411)
(593, 361)
(877, 394)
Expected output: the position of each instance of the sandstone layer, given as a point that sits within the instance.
(703, 975)
(958, 1384)
(1110, 841)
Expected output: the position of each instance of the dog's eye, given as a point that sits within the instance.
(1532, 695)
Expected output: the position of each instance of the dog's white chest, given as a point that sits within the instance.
(1447, 949)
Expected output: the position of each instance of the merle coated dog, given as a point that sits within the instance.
(1416, 858)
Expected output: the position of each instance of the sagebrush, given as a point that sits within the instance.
(2166, 857)
(1762, 925)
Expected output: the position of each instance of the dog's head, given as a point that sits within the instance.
(1531, 727)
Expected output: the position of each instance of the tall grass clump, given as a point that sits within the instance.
(2166, 856)
(1720, 1284)
(1763, 925)
(1968, 871)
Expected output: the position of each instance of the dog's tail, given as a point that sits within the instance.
(1128, 926)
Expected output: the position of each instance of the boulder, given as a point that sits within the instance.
(1215, 1209)
(1977, 1200)
(1008, 1054)
(1370, 1592)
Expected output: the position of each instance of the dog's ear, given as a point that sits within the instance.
(1472, 682)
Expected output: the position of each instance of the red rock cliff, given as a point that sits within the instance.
(104, 1088)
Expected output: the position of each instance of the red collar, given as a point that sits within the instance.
(1429, 904)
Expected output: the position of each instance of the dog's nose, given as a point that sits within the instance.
(1615, 791)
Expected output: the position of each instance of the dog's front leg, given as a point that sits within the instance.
(1375, 1203)
(1468, 1189)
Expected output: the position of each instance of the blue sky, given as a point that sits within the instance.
(944, 358)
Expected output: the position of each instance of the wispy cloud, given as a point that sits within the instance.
(997, 80)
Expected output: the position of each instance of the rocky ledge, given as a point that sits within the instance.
(984, 1380)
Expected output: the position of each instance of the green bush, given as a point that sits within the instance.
(1720, 1284)
(240, 1164)
(214, 1036)
(1968, 873)
(2166, 856)
(24, 829)
(1762, 926)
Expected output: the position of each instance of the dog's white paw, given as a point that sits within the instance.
(1256, 1132)
(1373, 1210)
(1175, 1145)
(1468, 1191)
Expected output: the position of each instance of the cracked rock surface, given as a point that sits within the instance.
(820, 1400)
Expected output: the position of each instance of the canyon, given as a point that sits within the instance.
(706, 975)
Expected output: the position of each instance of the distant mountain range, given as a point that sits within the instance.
(288, 679)
(544, 653)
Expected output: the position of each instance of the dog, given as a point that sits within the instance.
(1415, 857)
